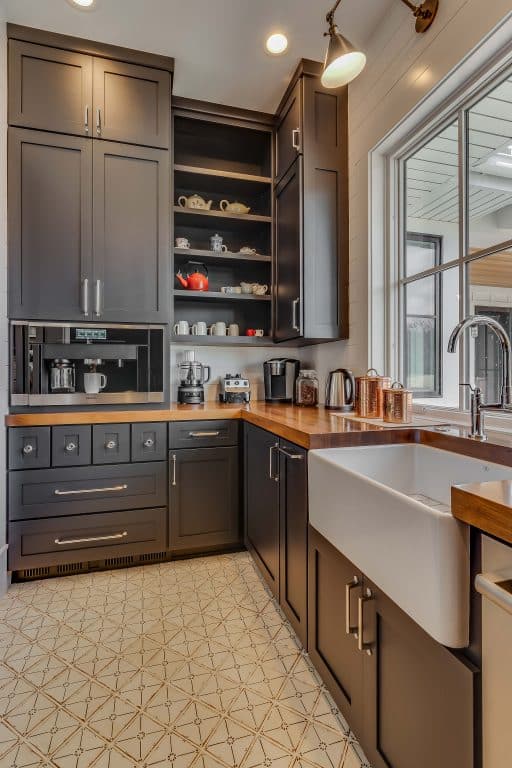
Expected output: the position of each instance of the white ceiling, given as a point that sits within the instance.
(218, 44)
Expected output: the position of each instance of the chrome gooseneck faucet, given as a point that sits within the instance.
(477, 406)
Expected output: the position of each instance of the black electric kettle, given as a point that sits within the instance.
(340, 390)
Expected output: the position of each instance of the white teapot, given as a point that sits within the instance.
(194, 201)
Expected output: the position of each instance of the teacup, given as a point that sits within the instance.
(246, 287)
(259, 290)
(182, 242)
(247, 249)
(259, 332)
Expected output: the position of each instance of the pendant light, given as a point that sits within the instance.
(344, 62)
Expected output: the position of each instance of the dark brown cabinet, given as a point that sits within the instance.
(204, 500)
(311, 211)
(409, 700)
(130, 279)
(50, 225)
(276, 519)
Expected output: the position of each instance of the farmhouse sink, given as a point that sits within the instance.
(387, 509)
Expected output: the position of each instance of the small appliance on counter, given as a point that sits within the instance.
(193, 375)
(340, 390)
(280, 375)
(234, 389)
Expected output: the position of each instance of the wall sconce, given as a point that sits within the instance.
(344, 62)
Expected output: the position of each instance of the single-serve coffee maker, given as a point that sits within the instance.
(280, 375)
(192, 376)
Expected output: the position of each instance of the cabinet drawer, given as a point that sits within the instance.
(203, 434)
(29, 447)
(82, 490)
(37, 543)
(110, 443)
(149, 442)
(71, 446)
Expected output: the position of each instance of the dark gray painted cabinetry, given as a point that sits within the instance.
(409, 700)
(276, 519)
(50, 225)
(110, 443)
(289, 131)
(71, 446)
(29, 448)
(288, 304)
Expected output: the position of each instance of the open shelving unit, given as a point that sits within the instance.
(222, 157)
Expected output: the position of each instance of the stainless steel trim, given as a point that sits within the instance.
(173, 469)
(295, 304)
(497, 588)
(361, 645)
(296, 139)
(80, 491)
(98, 121)
(86, 118)
(88, 540)
(213, 433)
(97, 298)
(80, 398)
(349, 628)
(289, 454)
(85, 296)
(42, 324)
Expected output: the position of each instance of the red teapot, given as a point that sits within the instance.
(194, 276)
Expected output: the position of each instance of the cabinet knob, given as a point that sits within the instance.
(111, 445)
(28, 449)
(70, 447)
(149, 443)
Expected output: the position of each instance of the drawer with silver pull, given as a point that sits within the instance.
(203, 434)
(149, 441)
(110, 443)
(85, 490)
(78, 538)
(29, 448)
(71, 446)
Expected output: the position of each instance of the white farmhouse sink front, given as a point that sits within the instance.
(387, 509)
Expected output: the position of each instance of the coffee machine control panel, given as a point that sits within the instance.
(234, 388)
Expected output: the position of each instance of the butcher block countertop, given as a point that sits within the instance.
(487, 506)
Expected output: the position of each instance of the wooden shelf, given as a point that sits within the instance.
(222, 174)
(223, 341)
(218, 296)
(249, 217)
(222, 256)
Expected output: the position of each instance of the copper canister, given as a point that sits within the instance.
(369, 398)
(397, 404)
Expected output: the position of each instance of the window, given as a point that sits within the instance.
(455, 247)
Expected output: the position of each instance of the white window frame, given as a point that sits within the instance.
(478, 73)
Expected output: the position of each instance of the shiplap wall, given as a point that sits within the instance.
(402, 68)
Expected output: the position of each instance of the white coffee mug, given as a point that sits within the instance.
(246, 287)
(182, 242)
(234, 329)
(259, 332)
(182, 328)
(94, 383)
(199, 329)
(218, 329)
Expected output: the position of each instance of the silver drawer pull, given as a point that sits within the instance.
(112, 489)
(204, 434)
(149, 443)
(111, 445)
(362, 646)
(70, 447)
(112, 536)
(349, 628)
(174, 469)
(289, 454)
(28, 449)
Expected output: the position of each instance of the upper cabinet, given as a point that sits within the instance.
(69, 92)
(311, 211)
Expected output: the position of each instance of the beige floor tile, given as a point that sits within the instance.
(140, 737)
(167, 704)
(13, 693)
(230, 742)
(267, 753)
(84, 702)
(285, 726)
(249, 708)
(172, 750)
(50, 734)
(140, 688)
(197, 722)
(112, 717)
(8, 740)
(323, 747)
(80, 751)
(30, 712)
(23, 756)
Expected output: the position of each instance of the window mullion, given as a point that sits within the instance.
(463, 140)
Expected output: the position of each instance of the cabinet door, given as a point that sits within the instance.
(262, 502)
(333, 651)
(288, 259)
(50, 225)
(418, 696)
(50, 89)
(293, 512)
(131, 103)
(204, 500)
(289, 132)
(131, 233)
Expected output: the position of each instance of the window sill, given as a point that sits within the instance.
(496, 423)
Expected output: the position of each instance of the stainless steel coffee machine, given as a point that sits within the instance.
(280, 375)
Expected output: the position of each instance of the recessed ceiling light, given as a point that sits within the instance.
(83, 4)
(277, 43)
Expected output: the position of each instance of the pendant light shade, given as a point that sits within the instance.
(343, 62)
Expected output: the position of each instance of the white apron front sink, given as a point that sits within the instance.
(387, 509)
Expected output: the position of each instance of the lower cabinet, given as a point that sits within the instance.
(409, 700)
(276, 519)
(204, 498)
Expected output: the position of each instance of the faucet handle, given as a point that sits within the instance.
(474, 390)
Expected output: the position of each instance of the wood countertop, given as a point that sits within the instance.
(487, 506)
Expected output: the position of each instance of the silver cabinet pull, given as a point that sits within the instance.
(289, 454)
(85, 296)
(111, 445)
(28, 449)
(97, 298)
(78, 492)
(174, 469)
(204, 434)
(149, 443)
(70, 447)
(349, 628)
(86, 118)
(362, 646)
(271, 475)
(90, 539)
(98, 121)
(295, 323)
(296, 139)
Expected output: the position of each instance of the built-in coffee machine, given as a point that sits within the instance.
(59, 364)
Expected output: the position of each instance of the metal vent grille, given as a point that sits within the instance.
(34, 573)
(71, 568)
(152, 556)
(117, 562)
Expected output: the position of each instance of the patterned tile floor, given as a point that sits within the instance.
(184, 664)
